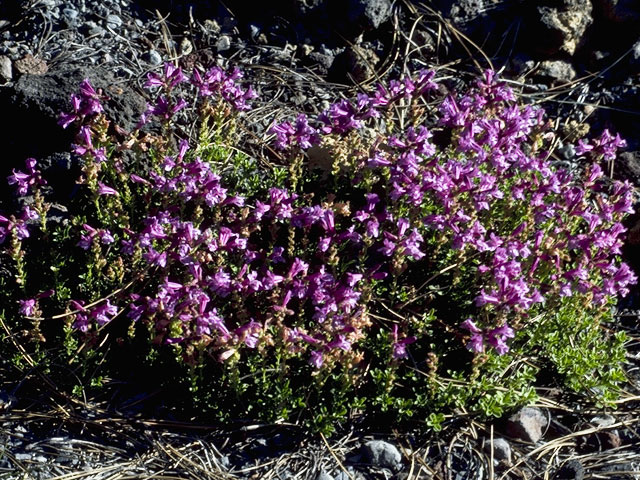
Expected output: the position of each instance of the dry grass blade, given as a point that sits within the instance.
(324, 439)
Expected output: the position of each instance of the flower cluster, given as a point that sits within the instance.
(424, 242)
(605, 146)
(217, 82)
(240, 271)
(86, 104)
(24, 181)
(569, 235)
(17, 225)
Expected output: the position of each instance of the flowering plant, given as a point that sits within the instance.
(442, 253)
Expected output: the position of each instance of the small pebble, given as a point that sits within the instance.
(6, 70)
(212, 26)
(224, 43)
(92, 28)
(254, 31)
(603, 421)
(571, 470)
(113, 21)
(501, 449)
(152, 57)
(382, 454)
(186, 47)
(70, 15)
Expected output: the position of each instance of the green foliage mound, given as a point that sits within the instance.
(404, 254)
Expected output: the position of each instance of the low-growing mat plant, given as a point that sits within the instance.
(407, 254)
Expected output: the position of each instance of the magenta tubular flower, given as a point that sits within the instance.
(471, 326)
(27, 307)
(476, 343)
(340, 342)
(317, 359)
(106, 190)
(298, 266)
(497, 338)
(104, 313)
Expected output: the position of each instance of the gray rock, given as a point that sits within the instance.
(6, 401)
(352, 475)
(305, 7)
(224, 43)
(571, 470)
(556, 70)
(91, 28)
(369, 14)
(501, 449)
(631, 471)
(527, 424)
(113, 21)
(6, 71)
(521, 64)
(382, 454)
(562, 29)
(568, 151)
(405, 476)
(603, 421)
(152, 57)
(628, 165)
(355, 62)
(70, 15)
(320, 60)
(324, 476)
(480, 19)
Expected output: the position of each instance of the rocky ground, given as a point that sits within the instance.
(580, 58)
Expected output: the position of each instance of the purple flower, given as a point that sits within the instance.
(496, 338)
(106, 190)
(484, 298)
(298, 266)
(104, 313)
(341, 342)
(317, 359)
(27, 307)
(476, 343)
(399, 347)
(471, 326)
(171, 77)
(26, 180)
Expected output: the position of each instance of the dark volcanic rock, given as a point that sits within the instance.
(484, 20)
(34, 103)
(572, 470)
(356, 62)
(368, 14)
